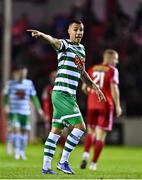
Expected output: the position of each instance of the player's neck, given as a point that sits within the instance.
(73, 42)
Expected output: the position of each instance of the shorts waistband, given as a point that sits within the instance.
(65, 93)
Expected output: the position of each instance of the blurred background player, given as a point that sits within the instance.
(100, 115)
(48, 107)
(46, 101)
(17, 95)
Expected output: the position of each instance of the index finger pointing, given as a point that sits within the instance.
(30, 30)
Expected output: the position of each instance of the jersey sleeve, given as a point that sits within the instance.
(115, 78)
(33, 90)
(6, 88)
(64, 45)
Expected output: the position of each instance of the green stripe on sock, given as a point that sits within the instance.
(67, 149)
(71, 143)
(48, 154)
(50, 147)
(74, 137)
(51, 141)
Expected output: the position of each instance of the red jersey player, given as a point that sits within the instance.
(100, 115)
(46, 100)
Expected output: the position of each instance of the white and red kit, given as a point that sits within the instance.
(101, 114)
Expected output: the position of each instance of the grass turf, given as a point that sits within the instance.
(114, 163)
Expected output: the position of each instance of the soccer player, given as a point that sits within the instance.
(71, 59)
(100, 115)
(17, 95)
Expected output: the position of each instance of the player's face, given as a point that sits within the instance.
(115, 60)
(111, 59)
(17, 75)
(76, 32)
(24, 73)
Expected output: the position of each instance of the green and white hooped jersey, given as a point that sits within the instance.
(67, 73)
(19, 94)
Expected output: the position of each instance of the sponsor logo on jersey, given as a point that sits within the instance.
(21, 94)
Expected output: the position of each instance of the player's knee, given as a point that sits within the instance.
(56, 131)
(82, 127)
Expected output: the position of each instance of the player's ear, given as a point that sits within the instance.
(69, 30)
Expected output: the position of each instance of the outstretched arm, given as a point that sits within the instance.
(55, 43)
(37, 105)
(5, 105)
(88, 81)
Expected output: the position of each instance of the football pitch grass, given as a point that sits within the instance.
(115, 163)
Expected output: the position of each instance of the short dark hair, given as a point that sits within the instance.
(16, 67)
(75, 21)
